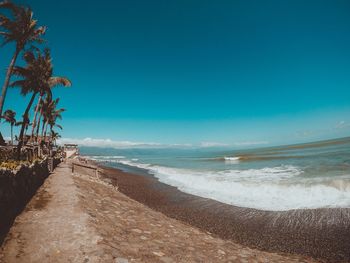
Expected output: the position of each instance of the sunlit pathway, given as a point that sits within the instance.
(53, 227)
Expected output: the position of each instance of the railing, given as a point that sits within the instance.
(84, 168)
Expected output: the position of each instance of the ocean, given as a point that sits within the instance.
(304, 176)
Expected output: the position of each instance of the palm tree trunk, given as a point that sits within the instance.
(7, 80)
(43, 128)
(35, 114)
(38, 126)
(46, 125)
(23, 127)
(11, 134)
(37, 131)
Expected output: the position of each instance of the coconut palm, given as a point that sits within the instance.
(45, 109)
(20, 28)
(48, 81)
(55, 136)
(10, 117)
(38, 124)
(51, 115)
(30, 79)
(42, 106)
(26, 125)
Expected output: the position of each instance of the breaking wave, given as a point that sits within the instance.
(277, 188)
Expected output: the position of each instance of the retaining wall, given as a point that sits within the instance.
(16, 190)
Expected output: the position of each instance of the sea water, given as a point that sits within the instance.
(305, 176)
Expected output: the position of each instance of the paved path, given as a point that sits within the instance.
(81, 219)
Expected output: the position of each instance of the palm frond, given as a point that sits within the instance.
(20, 25)
(29, 56)
(18, 83)
(55, 81)
(9, 5)
(9, 116)
(20, 71)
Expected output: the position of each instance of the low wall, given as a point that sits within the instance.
(85, 168)
(16, 190)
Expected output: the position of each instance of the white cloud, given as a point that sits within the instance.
(213, 144)
(179, 145)
(243, 143)
(108, 143)
(305, 133)
(342, 125)
(250, 143)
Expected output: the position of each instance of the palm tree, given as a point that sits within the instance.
(30, 79)
(55, 136)
(26, 125)
(42, 107)
(20, 28)
(10, 117)
(51, 114)
(47, 83)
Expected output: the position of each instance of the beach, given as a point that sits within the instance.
(323, 234)
(80, 218)
(175, 131)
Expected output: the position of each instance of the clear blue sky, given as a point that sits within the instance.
(199, 71)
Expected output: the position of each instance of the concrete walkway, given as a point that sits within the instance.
(81, 219)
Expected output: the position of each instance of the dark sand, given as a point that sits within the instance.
(323, 234)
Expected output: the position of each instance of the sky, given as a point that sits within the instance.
(204, 73)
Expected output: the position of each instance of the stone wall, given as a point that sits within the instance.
(85, 168)
(16, 190)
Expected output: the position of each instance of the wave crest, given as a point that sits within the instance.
(277, 188)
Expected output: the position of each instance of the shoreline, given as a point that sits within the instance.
(101, 224)
(323, 234)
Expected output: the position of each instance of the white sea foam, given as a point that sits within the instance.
(270, 188)
(231, 158)
(105, 157)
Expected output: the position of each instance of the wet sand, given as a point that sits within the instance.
(323, 234)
